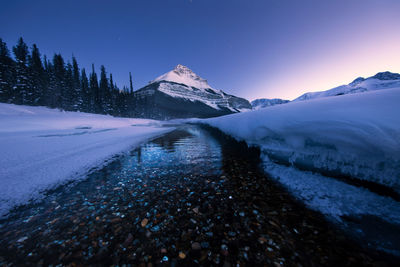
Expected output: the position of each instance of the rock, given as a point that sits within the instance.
(196, 246)
(182, 255)
(128, 240)
(262, 240)
(22, 239)
(224, 250)
(155, 228)
(144, 222)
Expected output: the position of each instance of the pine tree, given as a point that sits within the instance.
(104, 91)
(48, 77)
(114, 96)
(6, 73)
(95, 106)
(111, 83)
(69, 89)
(37, 73)
(86, 97)
(77, 93)
(23, 93)
(58, 81)
(130, 83)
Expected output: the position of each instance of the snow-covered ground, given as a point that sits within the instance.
(42, 148)
(357, 135)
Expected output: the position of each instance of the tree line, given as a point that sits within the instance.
(27, 78)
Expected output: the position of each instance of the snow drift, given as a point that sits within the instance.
(356, 135)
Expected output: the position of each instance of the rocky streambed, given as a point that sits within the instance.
(192, 197)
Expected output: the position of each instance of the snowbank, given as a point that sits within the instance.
(333, 197)
(42, 148)
(356, 135)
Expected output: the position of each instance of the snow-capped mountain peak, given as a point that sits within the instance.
(181, 93)
(184, 75)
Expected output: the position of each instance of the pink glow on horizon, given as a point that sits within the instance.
(337, 58)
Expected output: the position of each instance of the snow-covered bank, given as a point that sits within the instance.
(356, 135)
(41, 147)
(338, 200)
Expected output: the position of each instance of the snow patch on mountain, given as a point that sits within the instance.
(184, 75)
(191, 94)
(208, 97)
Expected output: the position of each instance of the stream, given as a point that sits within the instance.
(191, 197)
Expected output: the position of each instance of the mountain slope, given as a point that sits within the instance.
(382, 80)
(265, 102)
(181, 93)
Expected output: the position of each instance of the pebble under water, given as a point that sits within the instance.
(191, 197)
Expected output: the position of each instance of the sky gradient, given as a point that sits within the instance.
(250, 48)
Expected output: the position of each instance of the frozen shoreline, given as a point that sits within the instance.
(42, 148)
(356, 135)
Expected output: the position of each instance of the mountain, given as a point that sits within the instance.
(381, 80)
(180, 93)
(265, 102)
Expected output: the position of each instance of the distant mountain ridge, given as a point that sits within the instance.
(381, 80)
(180, 93)
(266, 102)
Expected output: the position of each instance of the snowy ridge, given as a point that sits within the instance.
(382, 80)
(265, 102)
(207, 96)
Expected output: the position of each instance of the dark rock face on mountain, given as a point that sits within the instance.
(181, 93)
(387, 75)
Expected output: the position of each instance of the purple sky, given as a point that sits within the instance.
(250, 48)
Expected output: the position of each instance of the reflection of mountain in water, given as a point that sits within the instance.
(169, 141)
